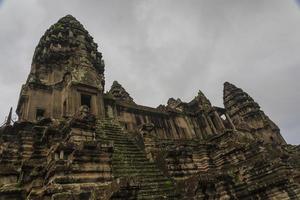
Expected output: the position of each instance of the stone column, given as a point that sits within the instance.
(190, 130)
(219, 121)
(212, 125)
(207, 129)
(230, 121)
(61, 155)
(110, 112)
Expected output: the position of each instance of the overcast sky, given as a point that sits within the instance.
(159, 49)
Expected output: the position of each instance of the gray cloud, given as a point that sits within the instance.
(161, 49)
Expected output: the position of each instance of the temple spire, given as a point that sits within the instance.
(235, 99)
(119, 93)
(67, 42)
(67, 72)
(203, 101)
(243, 109)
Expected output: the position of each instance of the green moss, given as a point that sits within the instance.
(168, 183)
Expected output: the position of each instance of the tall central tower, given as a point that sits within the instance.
(67, 72)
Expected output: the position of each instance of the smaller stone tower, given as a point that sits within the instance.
(243, 109)
(67, 72)
(119, 93)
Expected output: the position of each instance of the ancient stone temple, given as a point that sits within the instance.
(74, 141)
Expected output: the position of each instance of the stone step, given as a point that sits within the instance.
(155, 191)
(130, 154)
(130, 161)
(73, 180)
(140, 161)
(132, 149)
(150, 172)
(114, 137)
(154, 196)
(135, 164)
(147, 179)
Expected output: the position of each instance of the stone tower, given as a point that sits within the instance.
(243, 109)
(67, 72)
(119, 93)
(73, 141)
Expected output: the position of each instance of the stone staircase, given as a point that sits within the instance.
(129, 161)
(27, 144)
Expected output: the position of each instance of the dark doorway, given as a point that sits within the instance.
(64, 108)
(86, 100)
(39, 113)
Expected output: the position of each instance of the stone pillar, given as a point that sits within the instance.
(61, 155)
(207, 130)
(56, 157)
(102, 107)
(230, 121)
(110, 112)
(190, 130)
(212, 125)
(219, 121)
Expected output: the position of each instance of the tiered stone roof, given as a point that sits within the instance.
(184, 150)
(119, 93)
(67, 40)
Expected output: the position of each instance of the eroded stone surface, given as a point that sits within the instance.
(73, 141)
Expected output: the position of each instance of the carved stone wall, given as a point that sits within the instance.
(66, 64)
(73, 141)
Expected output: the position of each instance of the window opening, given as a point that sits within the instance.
(86, 100)
(40, 113)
